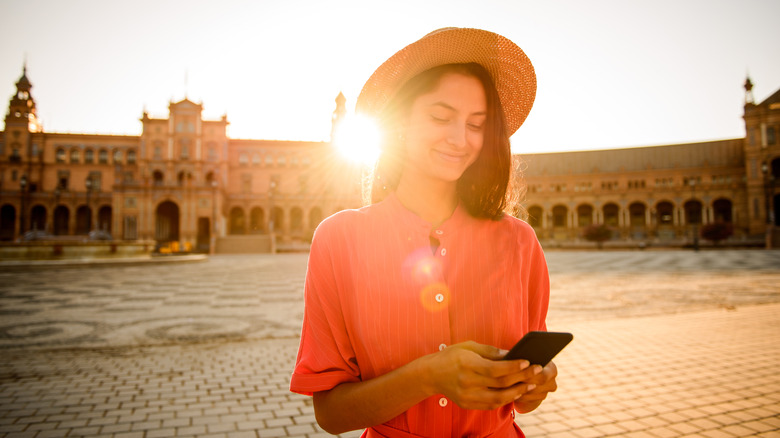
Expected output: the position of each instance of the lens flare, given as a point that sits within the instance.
(357, 139)
(435, 297)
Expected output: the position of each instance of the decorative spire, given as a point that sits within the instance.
(749, 99)
(338, 114)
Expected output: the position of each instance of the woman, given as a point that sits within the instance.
(411, 300)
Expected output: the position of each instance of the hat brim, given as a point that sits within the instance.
(510, 68)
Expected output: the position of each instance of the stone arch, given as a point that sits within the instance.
(637, 214)
(158, 178)
(296, 219)
(584, 215)
(315, 217)
(38, 218)
(83, 219)
(611, 213)
(560, 215)
(167, 222)
(257, 220)
(61, 220)
(105, 214)
(722, 209)
(237, 221)
(692, 210)
(664, 211)
(7, 222)
(535, 216)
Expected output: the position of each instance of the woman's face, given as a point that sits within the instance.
(445, 129)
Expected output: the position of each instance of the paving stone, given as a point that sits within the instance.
(667, 343)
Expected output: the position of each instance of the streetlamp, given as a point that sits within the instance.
(692, 183)
(271, 210)
(213, 242)
(22, 189)
(89, 209)
(57, 194)
(769, 186)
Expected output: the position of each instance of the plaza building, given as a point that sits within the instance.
(186, 185)
(663, 195)
(182, 183)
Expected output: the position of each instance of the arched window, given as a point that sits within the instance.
(692, 212)
(611, 215)
(75, 155)
(237, 221)
(665, 212)
(118, 156)
(584, 215)
(257, 221)
(637, 213)
(158, 178)
(89, 156)
(559, 213)
(535, 216)
(60, 155)
(243, 159)
(184, 146)
(296, 219)
(131, 156)
(722, 210)
(315, 217)
(103, 156)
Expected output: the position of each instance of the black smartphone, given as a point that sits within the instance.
(539, 348)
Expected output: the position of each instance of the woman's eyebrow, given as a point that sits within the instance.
(449, 107)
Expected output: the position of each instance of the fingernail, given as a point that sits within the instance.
(524, 364)
(537, 369)
(531, 387)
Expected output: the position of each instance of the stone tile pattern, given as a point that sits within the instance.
(667, 344)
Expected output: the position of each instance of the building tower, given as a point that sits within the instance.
(749, 99)
(21, 121)
(339, 114)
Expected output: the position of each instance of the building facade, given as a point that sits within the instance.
(663, 194)
(184, 180)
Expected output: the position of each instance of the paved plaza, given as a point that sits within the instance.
(667, 344)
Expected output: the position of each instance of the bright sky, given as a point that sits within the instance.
(611, 73)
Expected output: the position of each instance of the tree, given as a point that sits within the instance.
(598, 233)
(717, 231)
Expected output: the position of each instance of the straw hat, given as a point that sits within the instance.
(510, 68)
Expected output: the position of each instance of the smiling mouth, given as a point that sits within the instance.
(450, 157)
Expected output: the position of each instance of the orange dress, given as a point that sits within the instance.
(377, 297)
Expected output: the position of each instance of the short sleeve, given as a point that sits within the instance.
(325, 355)
(538, 282)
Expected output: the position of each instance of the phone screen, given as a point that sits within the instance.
(539, 348)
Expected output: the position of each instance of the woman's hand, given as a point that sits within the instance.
(545, 383)
(473, 376)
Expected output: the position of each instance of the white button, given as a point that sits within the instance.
(444, 251)
(439, 298)
(442, 347)
(439, 232)
(442, 402)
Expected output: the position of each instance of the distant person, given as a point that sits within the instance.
(411, 300)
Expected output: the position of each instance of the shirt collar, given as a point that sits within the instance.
(409, 219)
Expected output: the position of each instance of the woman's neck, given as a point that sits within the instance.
(433, 201)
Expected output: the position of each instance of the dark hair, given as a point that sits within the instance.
(484, 186)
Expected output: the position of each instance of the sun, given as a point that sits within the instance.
(357, 138)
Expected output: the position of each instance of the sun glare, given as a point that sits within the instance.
(357, 139)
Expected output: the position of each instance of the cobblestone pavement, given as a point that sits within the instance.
(667, 344)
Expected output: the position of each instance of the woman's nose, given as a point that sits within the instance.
(457, 135)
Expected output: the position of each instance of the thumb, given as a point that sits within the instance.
(486, 351)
